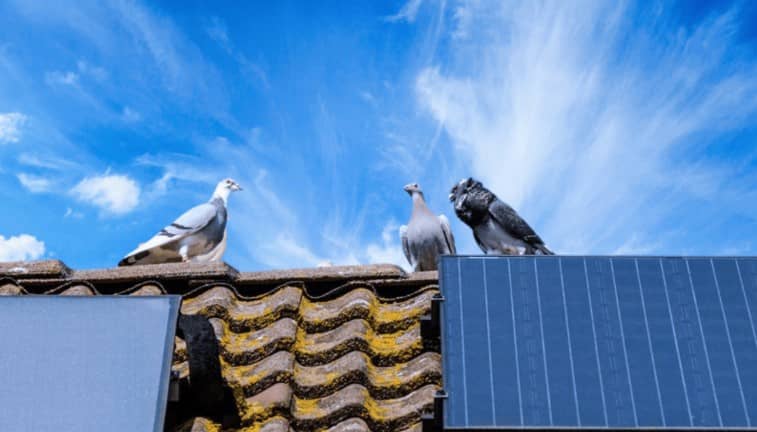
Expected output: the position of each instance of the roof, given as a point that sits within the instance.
(335, 348)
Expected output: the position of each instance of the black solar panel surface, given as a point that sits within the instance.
(599, 341)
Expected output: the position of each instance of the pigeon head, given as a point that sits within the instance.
(470, 200)
(462, 188)
(230, 185)
(412, 188)
(224, 188)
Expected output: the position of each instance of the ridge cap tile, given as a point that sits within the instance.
(213, 270)
(48, 269)
(325, 274)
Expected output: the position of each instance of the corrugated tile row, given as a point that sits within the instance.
(312, 315)
(280, 424)
(353, 362)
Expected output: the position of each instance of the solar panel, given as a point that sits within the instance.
(85, 363)
(590, 342)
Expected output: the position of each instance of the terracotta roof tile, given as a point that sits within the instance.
(333, 349)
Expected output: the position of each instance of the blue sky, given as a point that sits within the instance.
(613, 127)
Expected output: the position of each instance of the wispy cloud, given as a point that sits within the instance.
(129, 115)
(71, 213)
(407, 13)
(586, 118)
(46, 162)
(112, 193)
(388, 250)
(73, 78)
(34, 184)
(21, 247)
(56, 78)
(219, 33)
(10, 127)
(135, 41)
(96, 72)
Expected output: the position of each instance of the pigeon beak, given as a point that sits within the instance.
(236, 187)
(407, 188)
(452, 197)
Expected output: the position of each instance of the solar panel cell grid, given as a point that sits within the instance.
(599, 341)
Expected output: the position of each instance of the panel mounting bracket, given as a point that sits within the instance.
(434, 421)
(431, 322)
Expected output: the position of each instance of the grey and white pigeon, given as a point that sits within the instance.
(426, 236)
(198, 235)
(497, 228)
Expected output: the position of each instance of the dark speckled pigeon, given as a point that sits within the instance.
(426, 236)
(198, 235)
(497, 228)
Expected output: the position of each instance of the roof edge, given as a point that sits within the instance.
(324, 274)
(45, 269)
(57, 270)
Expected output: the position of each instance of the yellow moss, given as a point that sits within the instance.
(375, 410)
(253, 410)
(388, 343)
(386, 376)
(208, 425)
(258, 426)
(300, 338)
(385, 314)
(331, 377)
(268, 310)
(240, 373)
(307, 408)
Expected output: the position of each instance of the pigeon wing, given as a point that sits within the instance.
(405, 245)
(479, 243)
(506, 217)
(449, 239)
(188, 223)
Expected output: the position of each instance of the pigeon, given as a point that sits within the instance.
(425, 236)
(497, 228)
(199, 235)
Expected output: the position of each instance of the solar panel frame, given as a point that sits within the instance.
(631, 315)
(61, 340)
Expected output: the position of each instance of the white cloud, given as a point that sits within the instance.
(10, 127)
(22, 247)
(71, 213)
(389, 250)
(587, 124)
(407, 13)
(96, 72)
(129, 115)
(47, 162)
(114, 194)
(83, 71)
(56, 78)
(286, 251)
(218, 32)
(34, 184)
(634, 246)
